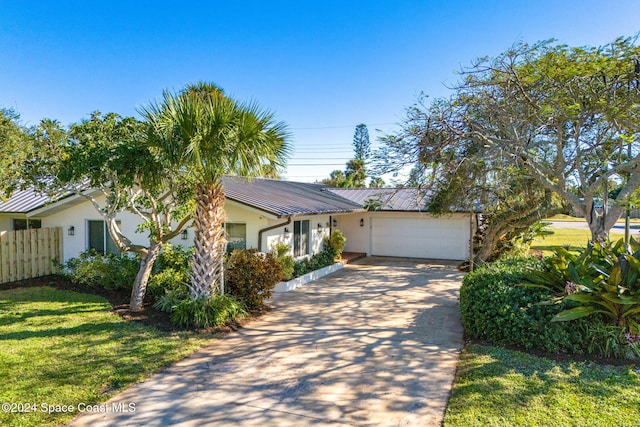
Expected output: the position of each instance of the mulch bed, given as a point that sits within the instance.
(119, 300)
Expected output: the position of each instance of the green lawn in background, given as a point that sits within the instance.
(63, 348)
(499, 387)
(570, 239)
(563, 217)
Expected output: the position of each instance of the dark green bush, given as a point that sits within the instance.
(108, 271)
(494, 307)
(281, 251)
(251, 276)
(320, 260)
(170, 271)
(166, 280)
(174, 257)
(216, 310)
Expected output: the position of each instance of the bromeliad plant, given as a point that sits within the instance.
(603, 279)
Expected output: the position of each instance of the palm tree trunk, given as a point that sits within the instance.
(209, 241)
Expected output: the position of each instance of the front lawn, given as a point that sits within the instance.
(500, 387)
(569, 218)
(571, 239)
(65, 348)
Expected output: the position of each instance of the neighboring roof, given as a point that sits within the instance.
(390, 199)
(24, 201)
(284, 198)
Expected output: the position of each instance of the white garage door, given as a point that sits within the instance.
(439, 238)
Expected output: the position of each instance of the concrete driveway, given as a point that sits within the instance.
(375, 344)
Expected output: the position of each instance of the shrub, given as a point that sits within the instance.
(174, 257)
(495, 307)
(171, 271)
(336, 242)
(281, 251)
(108, 271)
(216, 310)
(251, 276)
(165, 281)
(322, 259)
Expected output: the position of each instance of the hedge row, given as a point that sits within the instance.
(495, 307)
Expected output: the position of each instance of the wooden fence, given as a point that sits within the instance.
(29, 253)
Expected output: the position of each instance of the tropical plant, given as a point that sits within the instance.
(208, 135)
(252, 275)
(602, 280)
(215, 310)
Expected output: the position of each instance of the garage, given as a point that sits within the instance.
(420, 237)
(396, 224)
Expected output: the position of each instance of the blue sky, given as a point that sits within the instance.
(321, 66)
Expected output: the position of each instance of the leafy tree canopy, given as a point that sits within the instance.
(16, 147)
(559, 119)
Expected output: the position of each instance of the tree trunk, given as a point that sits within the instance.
(140, 286)
(500, 226)
(601, 223)
(209, 241)
(488, 244)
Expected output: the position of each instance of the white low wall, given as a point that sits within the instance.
(309, 277)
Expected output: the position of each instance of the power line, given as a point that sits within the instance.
(316, 164)
(342, 127)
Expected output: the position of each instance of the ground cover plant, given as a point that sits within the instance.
(500, 387)
(61, 347)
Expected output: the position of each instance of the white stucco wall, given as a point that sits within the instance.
(357, 237)
(79, 215)
(316, 234)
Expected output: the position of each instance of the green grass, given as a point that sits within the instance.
(63, 348)
(563, 217)
(499, 387)
(571, 239)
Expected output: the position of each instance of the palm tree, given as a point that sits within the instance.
(210, 135)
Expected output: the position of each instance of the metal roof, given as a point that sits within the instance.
(24, 201)
(390, 199)
(280, 198)
(284, 198)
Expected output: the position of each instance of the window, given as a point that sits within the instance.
(236, 234)
(300, 238)
(99, 238)
(24, 223)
